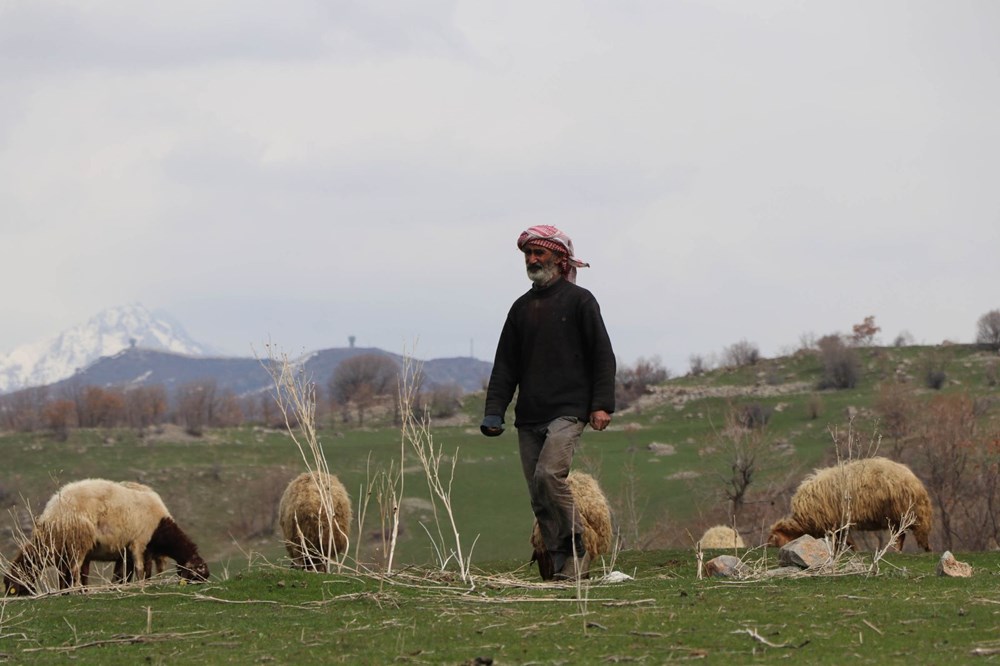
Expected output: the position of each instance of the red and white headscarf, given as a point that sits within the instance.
(549, 237)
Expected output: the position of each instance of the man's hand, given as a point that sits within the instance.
(492, 426)
(600, 419)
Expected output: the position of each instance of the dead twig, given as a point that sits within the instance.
(121, 640)
(757, 637)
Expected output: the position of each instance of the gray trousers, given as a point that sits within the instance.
(546, 456)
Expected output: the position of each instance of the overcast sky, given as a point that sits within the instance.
(302, 171)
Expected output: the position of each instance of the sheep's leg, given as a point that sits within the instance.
(85, 572)
(138, 563)
(899, 542)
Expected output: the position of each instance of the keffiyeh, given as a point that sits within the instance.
(551, 238)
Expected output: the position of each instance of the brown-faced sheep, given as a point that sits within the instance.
(99, 520)
(872, 493)
(597, 530)
(315, 518)
(720, 536)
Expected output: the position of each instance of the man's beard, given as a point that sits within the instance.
(542, 274)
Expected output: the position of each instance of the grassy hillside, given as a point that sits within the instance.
(223, 488)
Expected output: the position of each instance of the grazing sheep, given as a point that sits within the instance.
(596, 516)
(880, 492)
(99, 520)
(312, 535)
(720, 536)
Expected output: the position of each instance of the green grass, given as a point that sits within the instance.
(267, 614)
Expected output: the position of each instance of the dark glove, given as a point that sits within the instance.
(492, 426)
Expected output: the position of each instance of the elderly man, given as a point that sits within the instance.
(554, 350)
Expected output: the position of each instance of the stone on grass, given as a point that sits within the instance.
(725, 566)
(952, 568)
(805, 552)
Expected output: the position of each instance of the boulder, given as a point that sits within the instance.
(952, 568)
(805, 552)
(725, 566)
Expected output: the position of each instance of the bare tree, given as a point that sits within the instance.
(362, 379)
(744, 448)
(841, 365)
(632, 381)
(60, 416)
(145, 406)
(988, 330)
(740, 354)
(195, 406)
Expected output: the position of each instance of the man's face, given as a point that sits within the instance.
(542, 264)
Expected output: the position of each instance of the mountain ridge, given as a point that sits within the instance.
(105, 334)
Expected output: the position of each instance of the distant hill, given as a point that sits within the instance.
(147, 367)
(131, 346)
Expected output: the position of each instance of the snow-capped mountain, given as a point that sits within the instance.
(107, 333)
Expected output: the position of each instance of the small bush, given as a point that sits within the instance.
(992, 374)
(754, 416)
(740, 354)
(934, 372)
(841, 365)
(697, 366)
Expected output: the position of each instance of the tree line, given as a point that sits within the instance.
(358, 387)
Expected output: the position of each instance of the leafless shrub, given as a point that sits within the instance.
(697, 365)
(633, 381)
(841, 365)
(444, 400)
(958, 459)
(988, 330)
(740, 354)
(904, 339)
(361, 380)
(897, 408)
(416, 432)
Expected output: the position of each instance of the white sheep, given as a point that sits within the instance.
(870, 494)
(100, 520)
(595, 514)
(720, 536)
(315, 519)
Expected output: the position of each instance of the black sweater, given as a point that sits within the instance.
(555, 351)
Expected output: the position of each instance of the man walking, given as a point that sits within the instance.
(554, 350)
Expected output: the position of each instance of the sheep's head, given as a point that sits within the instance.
(15, 586)
(783, 531)
(546, 567)
(194, 570)
(16, 580)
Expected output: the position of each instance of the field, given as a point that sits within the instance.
(266, 614)
(663, 465)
